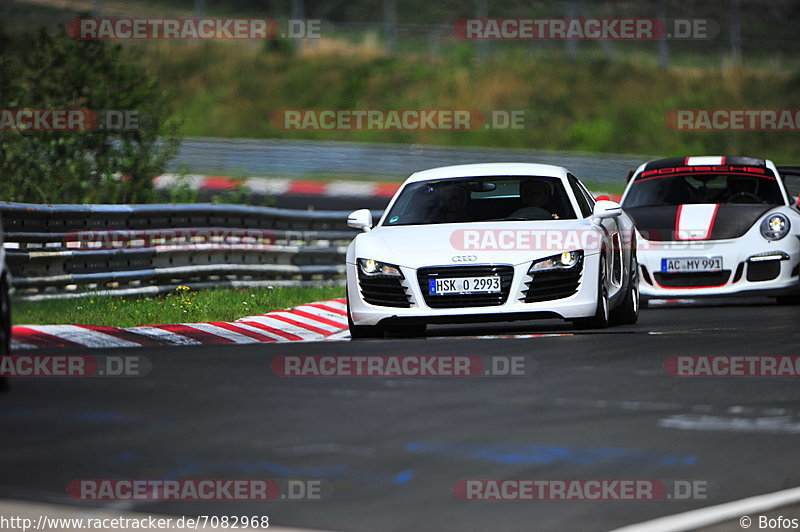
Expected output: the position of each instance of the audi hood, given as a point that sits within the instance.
(507, 242)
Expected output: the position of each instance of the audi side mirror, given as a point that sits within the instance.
(360, 219)
(606, 209)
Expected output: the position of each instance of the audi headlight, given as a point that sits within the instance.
(775, 226)
(374, 267)
(564, 261)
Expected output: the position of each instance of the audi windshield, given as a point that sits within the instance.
(481, 199)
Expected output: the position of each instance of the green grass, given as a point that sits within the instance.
(180, 306)
(590, 105)
(231, 89)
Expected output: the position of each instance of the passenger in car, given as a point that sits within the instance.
(677, 191)
(453, 200)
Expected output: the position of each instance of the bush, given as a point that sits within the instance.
(49, 70)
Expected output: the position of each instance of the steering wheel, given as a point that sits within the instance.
(745, 196)
(532, 213)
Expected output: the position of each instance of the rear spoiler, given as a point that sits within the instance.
(789, 170)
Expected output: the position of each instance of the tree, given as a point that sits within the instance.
(49, 70)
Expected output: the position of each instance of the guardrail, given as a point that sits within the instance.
(379, 161)
(62, 251)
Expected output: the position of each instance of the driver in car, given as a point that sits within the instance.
(740, 189)
(535, 195)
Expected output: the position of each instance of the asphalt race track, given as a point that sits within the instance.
(593, 405)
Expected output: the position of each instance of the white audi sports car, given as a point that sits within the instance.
(711, 226)
(491, 242)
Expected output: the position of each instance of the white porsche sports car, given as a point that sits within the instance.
(710, 226)
(491, 242)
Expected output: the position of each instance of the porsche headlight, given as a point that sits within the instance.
(564, 261)
(374, 267)
(775, 226)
